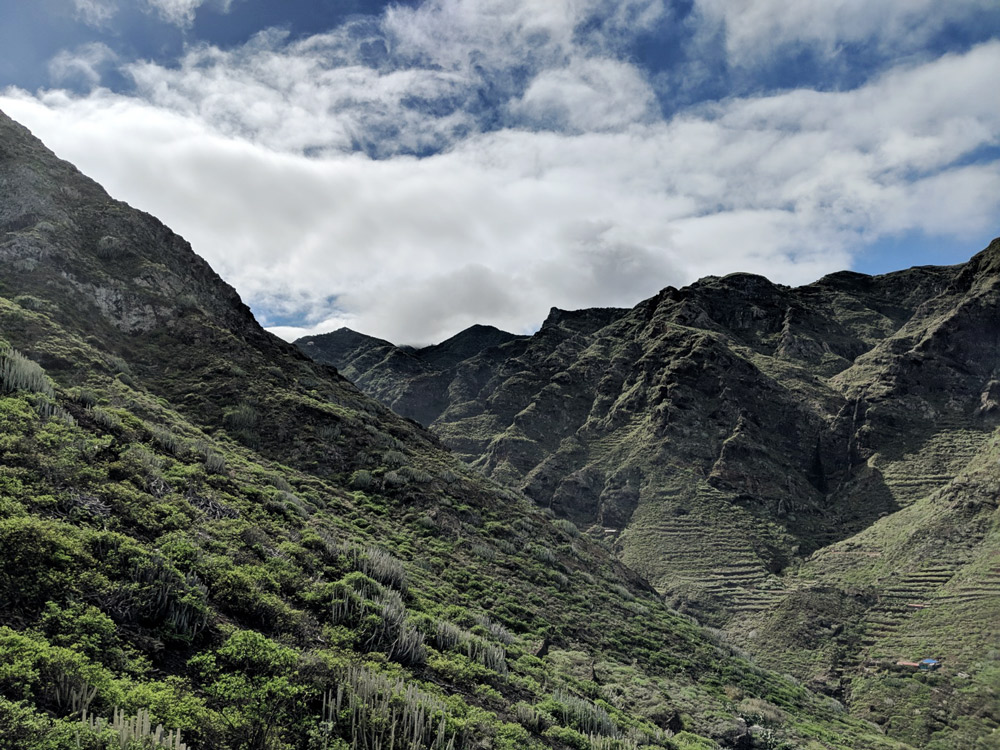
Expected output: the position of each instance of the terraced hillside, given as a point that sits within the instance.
(921, 583)
(718, 403)
(201, 528)
(812, 470)
(924, 578)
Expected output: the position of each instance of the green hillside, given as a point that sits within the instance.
(202, 529)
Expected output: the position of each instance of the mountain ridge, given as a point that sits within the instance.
(736, 440)
(202, 528)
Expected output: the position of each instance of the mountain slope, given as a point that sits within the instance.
(707, 407)
(756, 450)
(201, 527)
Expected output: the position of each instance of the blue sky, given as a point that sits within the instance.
(411, 168)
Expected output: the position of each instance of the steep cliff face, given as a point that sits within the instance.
(417, 383)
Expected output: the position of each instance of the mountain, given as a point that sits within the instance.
(412, 381)
(202, 528)
(811, 469)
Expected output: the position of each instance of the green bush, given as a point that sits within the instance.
(85, 628)
(215, 463)
(394, 458)
(566, 526)
(253, 681)
(377, 710)
(106, 419)
(37, 557)
(57, 679)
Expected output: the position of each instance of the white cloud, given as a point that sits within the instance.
(587, 197)
(81, 66)
(181, 12)
(96, 13)
(587, 95)
(755, 30)
(308, 95)
(505, 34)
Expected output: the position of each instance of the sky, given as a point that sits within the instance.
(409, 169)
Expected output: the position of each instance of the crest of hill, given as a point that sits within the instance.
(201, 527)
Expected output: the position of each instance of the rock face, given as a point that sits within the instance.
(416, 383)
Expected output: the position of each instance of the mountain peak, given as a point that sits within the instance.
(586, 320)
(464, 344)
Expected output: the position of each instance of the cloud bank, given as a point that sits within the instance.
(475, 161)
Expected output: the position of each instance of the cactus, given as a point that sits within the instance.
(18, 373)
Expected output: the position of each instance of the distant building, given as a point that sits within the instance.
(925, 665)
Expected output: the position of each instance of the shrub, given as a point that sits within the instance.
(28, 302)
(621, 591)
(506, 546)
(542, 554)
(280, 483)
(416, 475)
(36, 560)
(166, 440)
(375, 710)
(84, 628)
(567, 526)
(495, 629)
(394, 458)
(361, 479)
(760, 711)
(583, 715)
(449, 636)
(408, 646)
(106, 419)
(18, 373)
(241, 418)
(60, 680)
(484, 551)
(215, 464)
(110, 248)
(293, 503)
(527, 716)
(393, 479)
(250, 678)
(145, 461)
(490, 655)
(380, 565)
(118, 365)
(136, 730)
(328, 433)
(83, 396)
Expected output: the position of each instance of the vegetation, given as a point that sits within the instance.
(188, 541)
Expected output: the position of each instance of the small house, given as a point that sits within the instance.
(928, 665)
